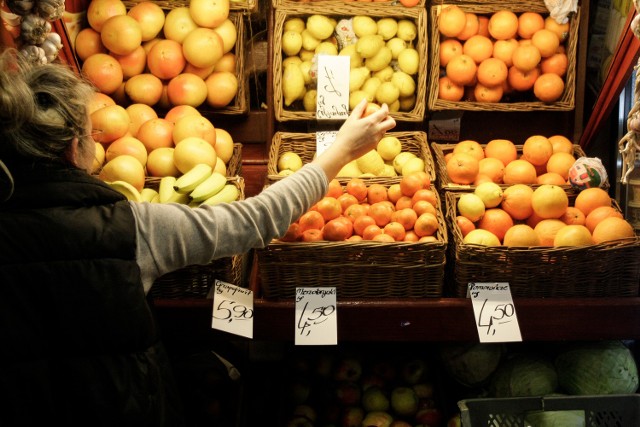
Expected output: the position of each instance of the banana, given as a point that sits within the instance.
(167, 194)
(228, 194)
(209, 187)
(148, 194)
(128, 190)
(190, 180)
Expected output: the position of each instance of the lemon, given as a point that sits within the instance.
(293, 87)
(387, 28)
(355, 60)
(409, 61)
(380, 60)
(294, 24)
(404, 82)
(305, 67)
(371, 162)
(401, 159)
(415, 164)
(364, 25)
(357, 77)
(326, 48)
(289, 160)
(407, 30)
(387, 93)
(407, 102)
(371, 85)
(385, 74)
(309, 100)
(291, 59)
(389, 170)
(320, 26)
(291, 43)
(490, 193)
(389, 147)
(356, 96)
(350, 170)
(309, 41)
(471, 206)
(306, 55)
(397, 45)
(369, 44)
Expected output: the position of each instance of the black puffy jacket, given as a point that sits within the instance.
(78, 343)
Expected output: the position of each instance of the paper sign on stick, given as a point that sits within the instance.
(495, 312)
(323, 140)
(332, 102)
(232, 309)
(316, 316)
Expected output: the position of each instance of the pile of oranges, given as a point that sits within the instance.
(540, 160)
(405, 211)
(485, 58)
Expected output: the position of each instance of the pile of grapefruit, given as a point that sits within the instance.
(502, 55)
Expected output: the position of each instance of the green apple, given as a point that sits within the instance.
(404, 401)
(377, 419)
(375, 399)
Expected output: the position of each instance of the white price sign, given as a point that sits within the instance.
(232, 309)
(323, 140)
(332, 101)
(494, 312)
(316, 316)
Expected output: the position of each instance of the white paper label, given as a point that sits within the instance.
(332, 102)
(316, 316)
(494, 312)
(232, 309)
(323, 140)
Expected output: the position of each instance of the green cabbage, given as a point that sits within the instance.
(603, 367)
(471, 364)
(523, 375)
(554, 419)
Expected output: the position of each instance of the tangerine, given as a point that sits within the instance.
(503, 25)
(501, 149)
(478, 48)
(548, 87)
(520, 171)
(462, 168)
(451, 21)
(461, 69)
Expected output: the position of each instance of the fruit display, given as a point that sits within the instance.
(397, 154)
(386, 53)
(187, 55)
(538, 160)
(482, 56)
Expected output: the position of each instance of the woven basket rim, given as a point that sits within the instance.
(282, 114)
(565, 103)
(234, 5)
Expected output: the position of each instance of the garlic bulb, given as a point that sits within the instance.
(20, 7)
(34, 29)
(50, 9)
(34, 54)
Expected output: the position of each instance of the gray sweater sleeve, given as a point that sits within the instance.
(173, 236)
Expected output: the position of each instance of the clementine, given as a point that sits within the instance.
(600, 213)
(501, 149)
(590, 198)
(462, 168)
(549, 87)
(497, 221)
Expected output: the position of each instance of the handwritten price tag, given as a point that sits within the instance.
(332, 102)
(495, 312)
(232, 309)
(324, 139)
(316, 316)
(445, 126)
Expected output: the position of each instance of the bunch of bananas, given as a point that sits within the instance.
(199, 186)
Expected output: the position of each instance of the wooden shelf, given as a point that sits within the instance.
(439, 319)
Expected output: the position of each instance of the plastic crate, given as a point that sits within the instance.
(599, 411)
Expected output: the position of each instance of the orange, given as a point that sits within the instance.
(156, 133)
(462, 168)
(422, 206)
(381, 213)
(222, 88)
(311, 220)
(529, 23)
(361, 223)
(407, 217)
(426, 225)
(612, 228)
(484, 93)
(469, 146)
(480, 178)
(312, 235)
(522, 80)
(472, 24)
(537, 150)
(478, 48)
(337, 229)
(503, 25)
(464, 224)
(449, 91)
(403, 202)
(492, 72)
(88, 42)
(556, 63)
(411, 183)
(461, 69)
(358, 188)
(561, 143)
(516, 201)
(483, 25)
(520, 171)
(551, 178)
(383, 237)
(104, 71)
(395, 230)
(549, 87)
(492, 168)
(502, 149)
(451, 21)
(573, 215)
(329, 207)
(590, 198)
(533, 220)
(371, 231)
(354, 238)
(503, 50)
(354, 211)
(560, 163)
(526, 57)
(292, 234)
(561, 30)
(98, 11)
(549, 201)
(521, 235)
(598, 214)
(546, 229)
(497, 221)
(334, 189)
(425, 194)
(121, 34)
(376, 193)
(546, 41)
(572, 235)
(448, 49)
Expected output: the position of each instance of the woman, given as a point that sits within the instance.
(79, 345)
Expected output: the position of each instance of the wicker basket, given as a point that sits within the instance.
(444, 182)
(610, 269)
(235, 5)
(528, 101)
(599, 411)
(304, 144)
(194, 281)
(363, 269)
(344, 11)
(330, 3)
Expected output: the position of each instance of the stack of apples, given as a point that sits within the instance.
(141, 55)
(520, 215)
(408, 211)
(500, 56)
